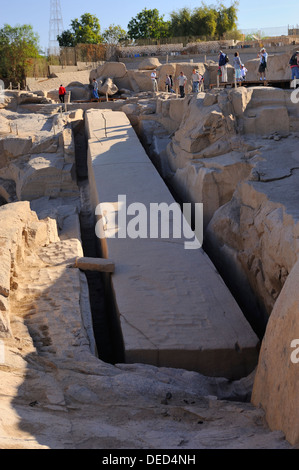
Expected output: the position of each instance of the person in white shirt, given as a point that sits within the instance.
(154, 80)
(182, 79)
(263, 63)
(196, 81)
(243, 72)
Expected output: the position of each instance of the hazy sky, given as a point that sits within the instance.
(253, 14)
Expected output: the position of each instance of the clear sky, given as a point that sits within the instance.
(253, 14)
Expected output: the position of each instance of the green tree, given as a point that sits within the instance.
(209, 21)
(227, 19)
(86, 30)
(18, 45)
(181, 22)
(66, 39)
(148, 24)
(114, 34)
(204, 21)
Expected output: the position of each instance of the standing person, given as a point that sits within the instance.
(168, 84)
(263, 63)
(243, 72)
(62, 93)
(95, 89)
(182, 79)
(294, 64)
(223, 61)
(154, 80)
(171, 84)
(196, 80)
(237, 66)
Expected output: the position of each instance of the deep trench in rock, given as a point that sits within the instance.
(106, 326)
(254, 312)
(107, 330)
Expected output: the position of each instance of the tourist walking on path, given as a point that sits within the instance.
(294, 64)
(95, 91)
(263, 63)
(62, 93)
(223, 61)
(154, 80)
(237, 66)
(182, 79)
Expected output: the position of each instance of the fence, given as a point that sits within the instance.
(272, 31)
(82, 53)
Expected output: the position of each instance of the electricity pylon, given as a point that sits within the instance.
(56, 26)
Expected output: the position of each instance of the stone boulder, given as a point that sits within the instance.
(150, 63)
(278, 67)
(212, 71)
(261, 110)
(106, 86)
(109, 70)
(277, 379)
(79, 91)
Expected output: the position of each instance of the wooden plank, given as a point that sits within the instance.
(95, 264)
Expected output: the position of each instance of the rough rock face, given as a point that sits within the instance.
(20, 232)
(228, 155)
(277, 379)
(56, 393)
(106, 86)
(150, 63)
(278, 67)
(203, 150)
(109, 70)
(38, 157)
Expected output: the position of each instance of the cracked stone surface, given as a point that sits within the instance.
(56, 394)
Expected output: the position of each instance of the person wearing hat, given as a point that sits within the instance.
(263, 63)
(294, 64)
